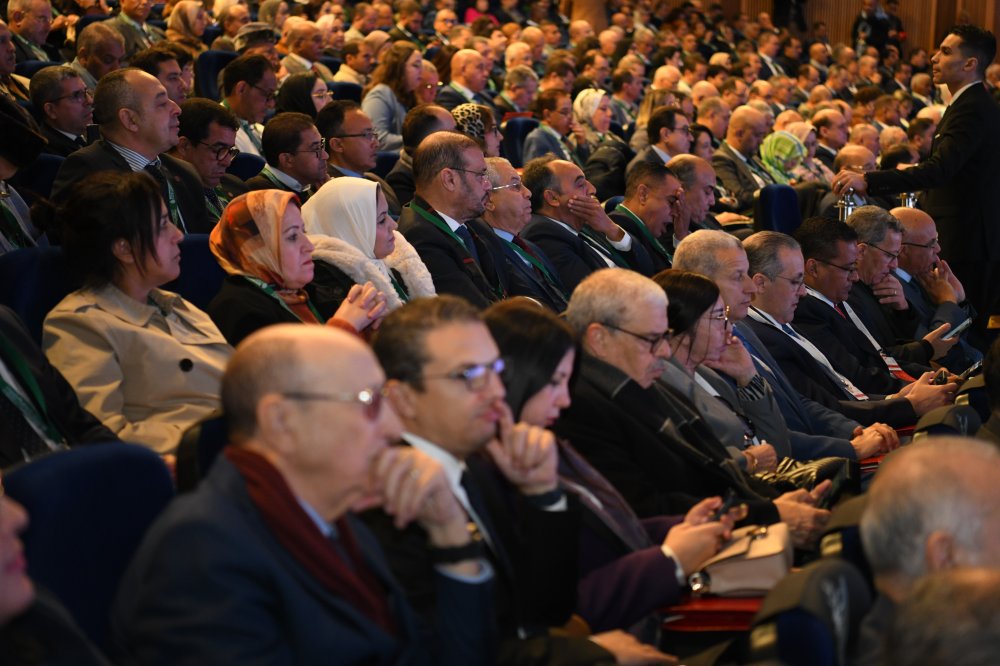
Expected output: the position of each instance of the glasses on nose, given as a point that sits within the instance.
(684, 130)
(369, 398)
(475, 377)
(514, 185)
(323, 94)
(221, 151)
(655, 342)
(367, 135)
(797, 282)
(80, 96)
(853, 268)
(316, 149)
(270, 95)
(723, 317)
(930, 245)
(482, 175)
(892, 256)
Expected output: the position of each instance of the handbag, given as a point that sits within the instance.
(792, 474)
(749, 564)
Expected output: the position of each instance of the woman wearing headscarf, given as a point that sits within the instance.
(304, 93)
(811, 169)
(609, 155)
(782, 153)
(478, 122)
(274, 12)
(186, 25)
(356, 242)
(261, 242)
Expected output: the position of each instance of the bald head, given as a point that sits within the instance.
(666, 78)
(702, 91)
(747, 128)
(919, 252)
(468, 68)
(855, 157)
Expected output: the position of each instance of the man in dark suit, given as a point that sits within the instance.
(352, 146)
(736, 163)
(131, 23)
(66, 108)
(266, 559)
(529, 272)
(831, 135)
(443, 380)
(652, 195)
(959, 179)
(47, 416)
(30, 22)
(296, 156)
(207, 141)
(469, 73)
(410, 25)
(777, 259)
(452, 186)
(672, 133)
(419, 123)
(571, 227)
(139, 125)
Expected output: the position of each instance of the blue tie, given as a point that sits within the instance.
(466, 237)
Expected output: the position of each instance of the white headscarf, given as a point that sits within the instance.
(344, 208)
(586, 103)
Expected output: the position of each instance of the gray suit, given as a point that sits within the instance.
(135, 39)
(737, 177)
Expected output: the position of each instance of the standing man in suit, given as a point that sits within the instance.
(960, 178)
(266, 558)
(670, 134)
(207, 141)
(571, 227)
(652, 196)
(529, 272)
(66, 106)
(352, 146)
(131, 23)
(452, 188)
(735, 161)
(139, 125)
(296, 156)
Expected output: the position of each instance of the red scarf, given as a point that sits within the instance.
(296, 531)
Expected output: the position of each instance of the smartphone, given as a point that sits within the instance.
(957, 330)
(940, 378)
(971, 370)
(728, 503)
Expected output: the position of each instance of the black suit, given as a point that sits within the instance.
(74, 423)
(659, 256)
(826, 155)
(523, 278)
(930, 316)
(102, 156)
(810, 379)
(400, 178)
(894, 330)
(261, 182)
(960, 181)
(452, 267)
(58, 143)
(449, 98)
(240, 308)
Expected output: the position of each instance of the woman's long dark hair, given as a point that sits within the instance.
(532, 342)
(690, 294)
(295, 94)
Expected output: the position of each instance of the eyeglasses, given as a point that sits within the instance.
(516, 185)
(684, 130)
(367, 135)
(483, 175)
(853, 268)
(933, 243)
(723, 317)
(268, 94)
(323, 94)
(80, 96)
(476, 377)
(316, 150)
(885, 252)
(370, 399)
(798, 282)
(655, 342)
(221, 152)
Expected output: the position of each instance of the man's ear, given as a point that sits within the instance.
(275, 422)
(403, 399)
(759, 280)
(939, 552)
(811, 267)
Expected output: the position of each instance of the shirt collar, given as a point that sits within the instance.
(962, 90)
(815, 294)
(563, 225)
(136, 161)
(347, 172)
(299, 59)
(506, 235)
(115, 302)
(326, 528)
(285, 179)
(466, 93)
(903, 275)
(452, 466)
(452, 223)
(659, 151)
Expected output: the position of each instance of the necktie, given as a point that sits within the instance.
(16, 427)
(154, 170)
(839, 311)
(463, 233)
(481, 516)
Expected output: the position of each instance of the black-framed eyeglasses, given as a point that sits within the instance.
(315, 149)
(853, 268)
(883, 251)
(655, 342)
(367, 135)
(684, 130)
(797, 282)
(516, 185)
(221, 152)
(933, 243)
(483, 175)
(723, 317)
(475, 377)
(369, 398)
(268, 94)
(80, 96)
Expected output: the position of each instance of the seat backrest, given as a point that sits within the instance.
(515, 130)
(973, 393)
(333, 64)
(961, 420)
(344, 90)
(246, 165)
(200, 445)
(842, 537)
(812, 617)
(32, 282)
(384, 161)
(206, 72)
(38, 176)
(89, 509)
(87, 20)
(212, 32)
(201, 275)
(777, 209)
(28, 68)
(612, 203)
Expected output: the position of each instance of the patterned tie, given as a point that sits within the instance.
(463, 233)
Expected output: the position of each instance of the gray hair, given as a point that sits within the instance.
(609, 295)
(943, 484)
(872, 223)
(493, 170)
(96, 34)
(19, 6)
(698, 251)
(762, 250)
(46, 84)
(685, 167)
(518, 76)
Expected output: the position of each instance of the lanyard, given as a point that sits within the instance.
(220, 198)
(400, 289)
(530, 259)
(38, 415)
(890, 363)
(175, 211)
(269, 290)
(644, 230)
(468, 259)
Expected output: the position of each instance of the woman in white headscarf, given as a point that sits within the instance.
(609, 155)
(356, 242)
